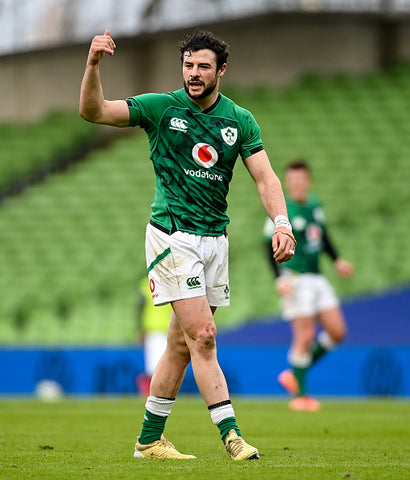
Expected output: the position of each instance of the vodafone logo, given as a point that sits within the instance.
(204, 155)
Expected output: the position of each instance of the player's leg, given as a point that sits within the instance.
(332, 319)
(162, 255)
(171, 368)
(334, 332)
(299, 356)
(197, 322)
(165, 384)
(216, 259)
(299, 310)
(300, 360)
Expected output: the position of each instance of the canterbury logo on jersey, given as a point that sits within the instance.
(178, 124)
(204, 155)
(193, 282)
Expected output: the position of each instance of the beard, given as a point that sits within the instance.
(207, 91)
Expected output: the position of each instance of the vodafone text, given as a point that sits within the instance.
(203, 174)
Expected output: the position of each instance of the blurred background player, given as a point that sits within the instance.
(307, 296)
(152, 327)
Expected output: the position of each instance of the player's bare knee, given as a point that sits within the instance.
(205, 338)
(178, 355)
(338, 334)
(179, 347)
(183, 352)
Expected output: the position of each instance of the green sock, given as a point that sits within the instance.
(152, 427)
(226, 425)
(317, 350)
(300, 374)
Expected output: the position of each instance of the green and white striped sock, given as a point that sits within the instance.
(157, 410)
(223, 416)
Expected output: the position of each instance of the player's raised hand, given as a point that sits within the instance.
(101, 45)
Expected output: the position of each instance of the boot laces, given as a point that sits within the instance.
(236, 445)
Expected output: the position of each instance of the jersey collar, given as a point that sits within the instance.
(195, 107)
(214, 105)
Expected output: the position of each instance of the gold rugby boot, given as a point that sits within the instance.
(238, 449)
(161, 448)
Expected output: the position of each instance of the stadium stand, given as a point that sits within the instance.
(30, 151)
(72, 248)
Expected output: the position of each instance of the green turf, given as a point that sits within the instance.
(93, 438)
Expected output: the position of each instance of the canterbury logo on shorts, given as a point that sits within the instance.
(193, 282)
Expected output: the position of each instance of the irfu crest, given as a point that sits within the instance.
(229, 135)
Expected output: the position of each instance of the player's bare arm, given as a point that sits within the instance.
(273, 201)
(93, 106)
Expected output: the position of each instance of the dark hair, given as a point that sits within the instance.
(201, 39)
(299, 164)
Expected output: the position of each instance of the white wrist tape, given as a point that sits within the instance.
(282, 221)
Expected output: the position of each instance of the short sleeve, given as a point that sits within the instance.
(146, 109)
(135, 111)
(252, 141)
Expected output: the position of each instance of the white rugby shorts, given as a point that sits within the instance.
(311, 294)
(184, 265)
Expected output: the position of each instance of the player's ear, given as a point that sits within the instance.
(222, 70)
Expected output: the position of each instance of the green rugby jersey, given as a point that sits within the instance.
(193, 153)
(308, 224)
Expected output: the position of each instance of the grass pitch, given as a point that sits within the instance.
(93, 439)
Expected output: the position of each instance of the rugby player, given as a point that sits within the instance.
(307, 296)
(195, 135)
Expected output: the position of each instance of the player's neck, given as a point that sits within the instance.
(300, 200)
